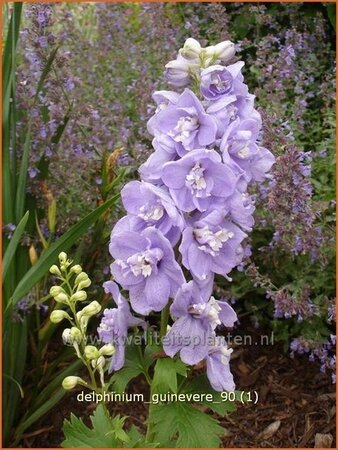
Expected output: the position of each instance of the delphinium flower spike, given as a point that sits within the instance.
(192, 207)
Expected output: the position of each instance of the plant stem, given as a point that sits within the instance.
(164, 321)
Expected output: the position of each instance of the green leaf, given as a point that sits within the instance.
(62, 244)
(8, 89)
(137, 440)
(121, 378)
(190, 427)
(105, 432)
(13, 244)
(165, 375)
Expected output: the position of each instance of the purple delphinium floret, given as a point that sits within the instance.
(218, 367)
(186, 123)
(148, 205)
(196, 320)
(198, 180)
(145, 265)
(217, 81)
(239, 144)
(211, 244)
(114, 325)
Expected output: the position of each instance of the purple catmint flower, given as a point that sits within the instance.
(33, 172)
(198, 180)
(218, 366)
(186, 123)
(145, 265)
(114, 325)
(149, 205)
(8, 230)
(196, 320)
(211, 244)
(218, 81)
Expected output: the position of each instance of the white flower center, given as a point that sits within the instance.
(244, 152)
(154, 212)
(185, 126)
(226, 352)
(195, 178)
(142, 263)
(208, 310)
(220, 85)
(212, 242)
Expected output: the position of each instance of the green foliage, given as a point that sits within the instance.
(188, 427)
(166, 374)
(105, 432)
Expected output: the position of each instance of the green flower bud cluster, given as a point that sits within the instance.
(71, 294)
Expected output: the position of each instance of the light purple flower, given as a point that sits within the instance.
(186, 123)
(230, 107)
(165, 151)
(241, 206)
(145, 265)
(211, 244)
(239, 145)
(218, 367)
(149, 205)
(164, 98)
(114, 325)
(196, 320)
(198, 180)
(177, 72)
(218, 81)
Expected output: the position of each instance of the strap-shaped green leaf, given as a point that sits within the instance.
(12, 246)
(62, 244)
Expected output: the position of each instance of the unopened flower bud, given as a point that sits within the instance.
(81, 277)
(70, 382)
(71, 335)
(56, 290)
(225, 50)
(91, 352)
(79, 296)
(99, 363)
(66, 336)
(75, 334)
(84, 284)
(62, 298)
(107, 350)
(191, 49)
(91, 309)
(63, 257)
(58, 315)
(54, 270)
(177, 72)
(76, 269)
